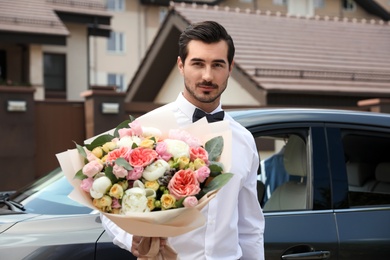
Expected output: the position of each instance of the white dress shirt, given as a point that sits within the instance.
(235, 221)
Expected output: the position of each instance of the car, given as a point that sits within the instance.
(323, 184)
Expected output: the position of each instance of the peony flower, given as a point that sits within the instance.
(147, 143)
(161, 149)
(148, 132)
(92, 168)
(180, 134)
(122, 152)
(155, 170)
(152, 185)
(151, 203)
(183, 162)
(190, 202)
(109, 146)
(98, 152)
(86, 184)
(177, 148)
(135, 173)
(198, 163)
(129, 141)
(134, 200)
(184, 183)
(103, 203)
(137, 128)
(100, 187)
(167, 201)
(119, 171)
(199, 153)
(202, 173)
(116, 191)
(141, 157)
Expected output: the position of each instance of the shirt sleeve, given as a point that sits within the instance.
(119, 237)
(251, 218)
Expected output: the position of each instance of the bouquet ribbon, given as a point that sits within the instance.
(149, 247)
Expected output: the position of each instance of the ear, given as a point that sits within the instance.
(180, 65)
(231, 67)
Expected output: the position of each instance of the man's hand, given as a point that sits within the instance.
(137, 240)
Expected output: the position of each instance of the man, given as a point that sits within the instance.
(235, 222)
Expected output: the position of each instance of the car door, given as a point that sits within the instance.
(299, 222)
(361, 189)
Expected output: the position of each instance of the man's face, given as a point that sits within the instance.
(206, 72)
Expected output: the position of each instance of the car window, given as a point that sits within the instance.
(368, 167)
(50, 196)
(283, 169)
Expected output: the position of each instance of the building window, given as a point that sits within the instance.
(318, 3)
(116, 42)
(54, 75)
(116, 5)
(280, 2)
(116, 80)
(348, 5)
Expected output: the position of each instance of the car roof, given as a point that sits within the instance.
(265, 116)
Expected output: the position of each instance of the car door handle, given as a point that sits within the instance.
(307, 255)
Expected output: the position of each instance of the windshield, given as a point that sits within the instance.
(49, 195)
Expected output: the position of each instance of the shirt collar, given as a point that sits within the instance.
(188, 108)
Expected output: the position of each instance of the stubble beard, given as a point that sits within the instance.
(205, 97)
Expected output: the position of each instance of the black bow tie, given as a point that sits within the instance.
(198, 114)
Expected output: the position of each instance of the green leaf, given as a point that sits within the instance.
(179, 203)
(99, 141)
(125, 164)
(109, 174)
(81, 150)
(215, 168)
(218, 182)
(124, 124)
(214, 148)
(80, 175)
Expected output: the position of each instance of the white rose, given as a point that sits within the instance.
(177, 148)
(100, 187)
(155, 170)
(134, 200)
(151, 131)
(128, 141)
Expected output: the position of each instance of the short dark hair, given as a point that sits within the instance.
(207, 32)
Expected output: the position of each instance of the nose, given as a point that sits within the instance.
(207, 74)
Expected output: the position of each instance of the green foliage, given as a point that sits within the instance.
(80, 175)
(99, 141)
(214, 148)
(125, 164)
(218, 182)
(81, 150)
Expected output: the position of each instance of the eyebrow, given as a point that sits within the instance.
(214, 61)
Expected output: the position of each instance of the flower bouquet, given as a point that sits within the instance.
(149, 176)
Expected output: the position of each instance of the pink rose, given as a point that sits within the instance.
(137, 128)
(179, 134)
(202, 173)
(122, 152)
(91, 156)
(115, 204)
(135, 173)
(190, 202)
(86, 184)
(119, 171)
(184, 183)
(161, 149)
(141, 157)
(92, 168)
(199, 152)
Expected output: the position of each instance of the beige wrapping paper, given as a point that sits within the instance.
(167, 223)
